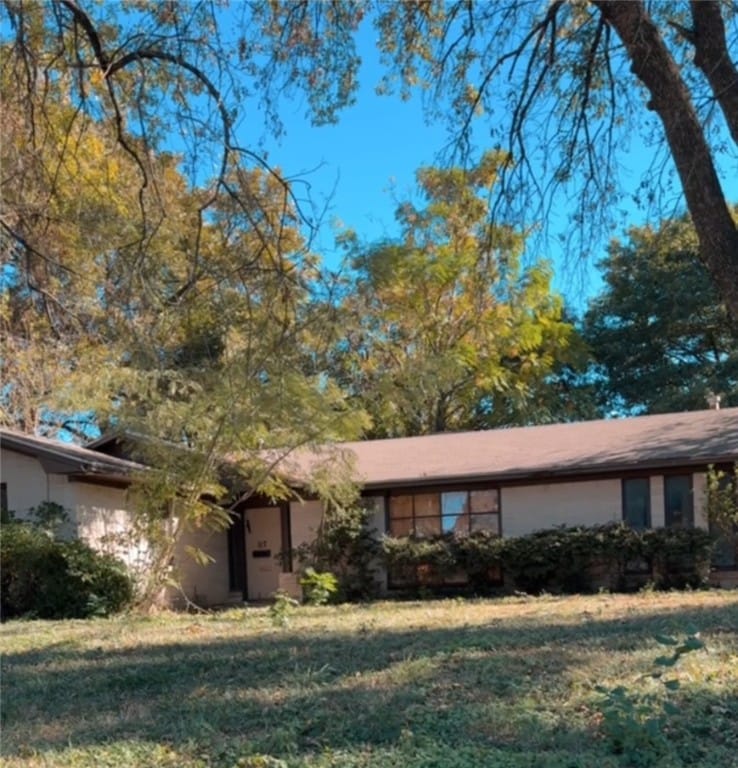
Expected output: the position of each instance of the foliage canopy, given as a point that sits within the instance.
(658, 332)
(443, 329)
(572, 78)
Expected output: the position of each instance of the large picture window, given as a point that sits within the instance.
(679, 508)
(429, 514)
(637, 503)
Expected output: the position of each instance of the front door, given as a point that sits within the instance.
(263, 543)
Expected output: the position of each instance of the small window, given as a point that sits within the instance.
(725, 550)
(637, 503)
(4, 500)
(679, 510)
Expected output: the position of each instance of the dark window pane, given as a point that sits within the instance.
(401, 526)
(401, 506)
(678, 500)
(427, 526)
(484, 501)
(427, 505)
(637, 503)
(489, 522)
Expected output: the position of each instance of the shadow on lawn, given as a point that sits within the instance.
(494, 686)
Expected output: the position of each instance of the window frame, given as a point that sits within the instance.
(439, 492)
(458, 580)
(690, 491)
(623, 498)
(722, 539)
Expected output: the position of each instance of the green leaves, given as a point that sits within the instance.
(659, 333)
(634, 722)
(443, 329)
(691, 643)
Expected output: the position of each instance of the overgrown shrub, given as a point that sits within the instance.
(480, 557)
(556, 560)
(569, 560)
(420, 562)
(678, 557)
(618, 555)
(346, 547)
(50, 579)
(573, 559)
(721, 508)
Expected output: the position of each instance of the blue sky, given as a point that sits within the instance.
(362, 166)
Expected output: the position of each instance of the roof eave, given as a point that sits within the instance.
(58, 461)
(549, 473)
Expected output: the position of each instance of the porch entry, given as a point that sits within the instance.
(263, 542)
(255, 538)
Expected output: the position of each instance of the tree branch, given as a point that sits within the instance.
(670, 98)
(712, 57)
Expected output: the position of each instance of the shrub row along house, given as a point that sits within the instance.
(648, 471)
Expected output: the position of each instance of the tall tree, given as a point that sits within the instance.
(572, 79)
(443, 330)
(79, 209)
(658, 332)
(194, 342)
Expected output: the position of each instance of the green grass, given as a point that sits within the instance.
(444, 683)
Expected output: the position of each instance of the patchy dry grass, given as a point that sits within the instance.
(445, 683)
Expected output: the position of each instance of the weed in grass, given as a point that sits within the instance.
(231, 614)
(633, 722)
(318, 587)
(281, 610)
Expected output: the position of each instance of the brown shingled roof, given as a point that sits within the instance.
(591, 447)
(66, 458)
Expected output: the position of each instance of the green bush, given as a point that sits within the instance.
(678, 557)
(569, 560)
(49, 579)
(318, 588)
(415, 561)
(480, 557)
(572, 560)
(534, 563)
(346, 547)
(619, 552)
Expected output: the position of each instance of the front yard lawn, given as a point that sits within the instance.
(507, 682)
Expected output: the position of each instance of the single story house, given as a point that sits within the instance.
(648, 470)
(91, 487)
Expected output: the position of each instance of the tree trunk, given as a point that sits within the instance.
(670, 98)
(712, 57)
